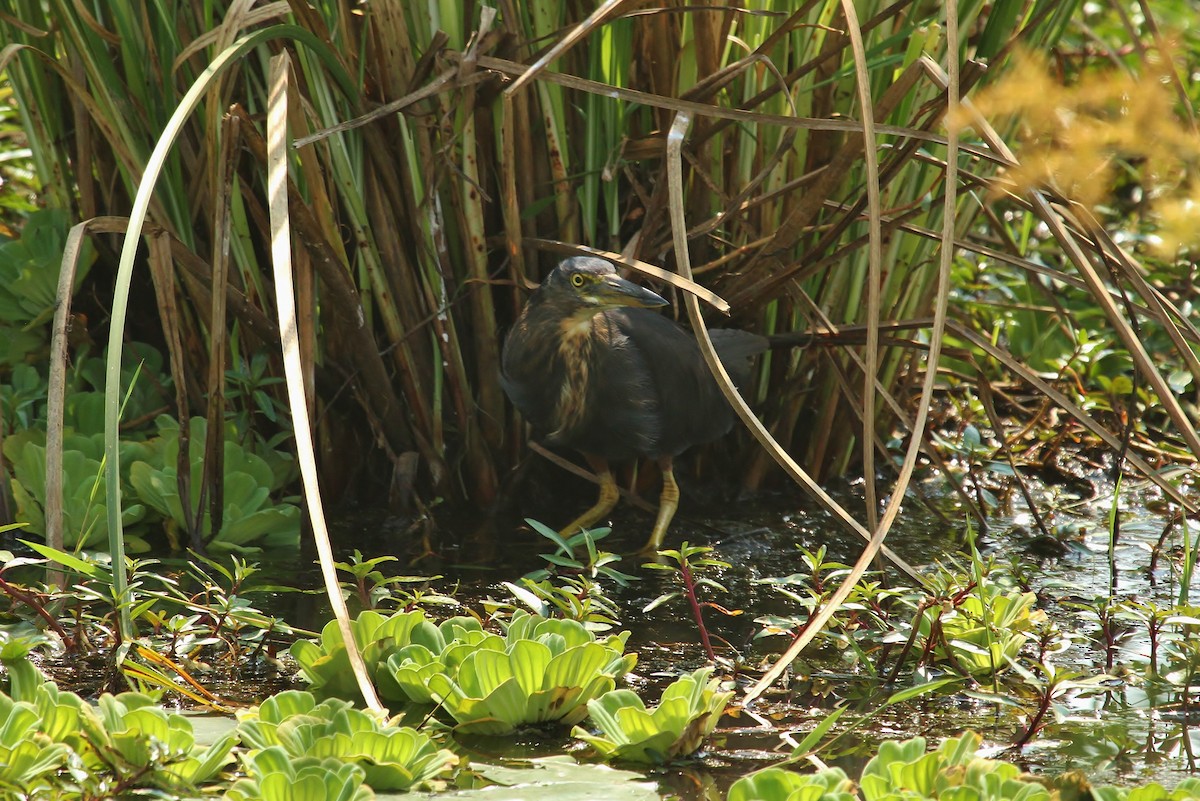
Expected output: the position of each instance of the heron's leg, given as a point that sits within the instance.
(604, 504)
(668, 502)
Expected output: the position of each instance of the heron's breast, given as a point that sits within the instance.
(575, 352)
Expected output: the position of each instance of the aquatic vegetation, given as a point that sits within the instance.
(406, 377)
(984, 631)
(433, 650)
(685, 716)
(250, 518)
(53, 741)
(780, 784)
(1186, 789)
(690, 566)
(273, 775)
(376, 590)
(391, 757)
(543, 670)
(19, 677)
(326, 665)
(132, 733)
(540, 670)
(25, 762)
(85, 522)
(908, 771)
(23, 398)
(970, 623)
(570, 585)
(191, 627)
(901, 770)
(29, 270)
(1050, 685)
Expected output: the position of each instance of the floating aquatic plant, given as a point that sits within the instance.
(780, 784)
(985, 631)
(29, 270)
(685, 716)
(134, 734)
(250, 518)
(326, 665)
(907, 771)
(84, 520)
(51, 740)
(24, 761)
(543, 670)
(540, 670)
(430, 651)
(274, 775)
(391, 757)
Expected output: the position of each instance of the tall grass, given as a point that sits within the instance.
(417, 230)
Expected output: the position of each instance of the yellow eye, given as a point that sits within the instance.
(577, 280)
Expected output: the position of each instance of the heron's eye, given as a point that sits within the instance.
(577, 280)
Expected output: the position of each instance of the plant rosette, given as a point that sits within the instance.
(540, 670)
(986, 635)
(133, 730)
(251, 520)
(685, 716)
(274, 775)
(902, 771)
(391, 757)
(25, 757)
(428, 646)
(85, 515)
(906, 771)
(543, 670)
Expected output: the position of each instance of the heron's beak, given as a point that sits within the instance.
(616, 291)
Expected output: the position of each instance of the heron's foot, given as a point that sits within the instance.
(649, 552)
(655, 543)
(604, 504)
(427, 551)
(668, 502)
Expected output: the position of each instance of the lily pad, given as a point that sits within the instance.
(556, 778)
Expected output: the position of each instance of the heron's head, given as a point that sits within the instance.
(584, 286)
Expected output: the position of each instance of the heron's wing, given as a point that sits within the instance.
(737, 350)
(530, 373)
(693, 410)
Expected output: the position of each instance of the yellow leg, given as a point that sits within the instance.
(604, 504)
(668, 502)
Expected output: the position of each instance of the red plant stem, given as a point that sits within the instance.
(1152, 630)
(1110, 640)
(1035, 725)
(908, 645)
(962, 594)
(30, 600)
(686, 571)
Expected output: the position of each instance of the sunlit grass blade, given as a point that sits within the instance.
(281, 258)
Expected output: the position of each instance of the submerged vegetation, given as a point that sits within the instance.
(967, 232)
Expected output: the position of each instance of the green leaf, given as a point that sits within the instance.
(67, 560)
(530, 661)
(910, 693)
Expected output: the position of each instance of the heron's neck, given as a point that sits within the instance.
(575, 352)
(576, 325)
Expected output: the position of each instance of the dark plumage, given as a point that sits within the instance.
(591, 368)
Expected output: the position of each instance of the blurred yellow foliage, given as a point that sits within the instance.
(1073, 139)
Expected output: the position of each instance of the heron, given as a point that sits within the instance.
(591, 366)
